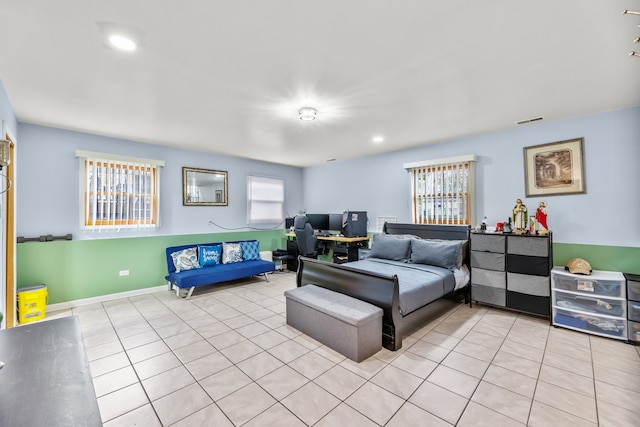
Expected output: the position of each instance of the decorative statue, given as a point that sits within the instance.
(520, 217)
(541, 218)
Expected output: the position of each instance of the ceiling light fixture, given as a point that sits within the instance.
(122, 43)
(377, 139)
(307, 114)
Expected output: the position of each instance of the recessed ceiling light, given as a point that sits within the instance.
(378, 139)
(122, 43)
(307, 114)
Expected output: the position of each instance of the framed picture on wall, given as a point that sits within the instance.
(554, 168)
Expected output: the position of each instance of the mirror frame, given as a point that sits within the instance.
(185, 198)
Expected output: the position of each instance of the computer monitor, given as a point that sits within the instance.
(354, 223)
(335, 222)
(319, 222)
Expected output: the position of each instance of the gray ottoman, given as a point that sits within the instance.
(351, 327)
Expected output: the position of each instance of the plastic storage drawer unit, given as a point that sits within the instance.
(598, 325)
(634, 331)
(595, 304)
(633, 312)
(603, 283)
(590, 304)
(633, 286)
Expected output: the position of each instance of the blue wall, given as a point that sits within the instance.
(607, 214)
(48, 200)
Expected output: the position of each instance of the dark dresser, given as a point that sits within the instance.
(512, 271)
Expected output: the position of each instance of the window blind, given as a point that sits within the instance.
(265, 200)
(118, 193)
(442, 191)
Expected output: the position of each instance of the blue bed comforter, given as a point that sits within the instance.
(419, 284)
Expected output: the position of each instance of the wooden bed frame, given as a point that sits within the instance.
(381, 290)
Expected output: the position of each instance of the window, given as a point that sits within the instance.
(442, 190)
(118, 192)
(265, 200)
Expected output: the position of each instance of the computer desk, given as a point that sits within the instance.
(335, 238)
(351, 245)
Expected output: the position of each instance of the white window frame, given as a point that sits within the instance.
(265, 200)
(113, 169)
(443, 190)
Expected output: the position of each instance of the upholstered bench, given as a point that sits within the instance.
(351, 327)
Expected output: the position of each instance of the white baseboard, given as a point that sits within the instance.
(86, 301)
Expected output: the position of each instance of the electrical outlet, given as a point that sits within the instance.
(124, 273)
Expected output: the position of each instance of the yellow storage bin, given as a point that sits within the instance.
(32, 303)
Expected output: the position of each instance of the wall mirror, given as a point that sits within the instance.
(204, 187)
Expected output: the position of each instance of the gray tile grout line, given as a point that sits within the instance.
(367, 380)
(335, 364)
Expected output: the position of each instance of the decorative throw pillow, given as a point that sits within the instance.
(440, 253)
(250, 250)
(186, 259)
(231, 252)
(462, 248)
(209, 255)
(390, 247)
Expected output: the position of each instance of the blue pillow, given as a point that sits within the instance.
(209, 255)
(186, 259)
(231, 252)
(250, 250)
(387, 246)
(440, 253)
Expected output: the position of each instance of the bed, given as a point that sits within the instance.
(410, 273)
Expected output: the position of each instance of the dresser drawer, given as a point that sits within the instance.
(633, 310)
(633, 286)
(529, 303)
(487, 260)
(590, 304)
(487, 242)
(599, 325)
(493, 279)
(533, 246)
(526, 284)
(634, 331)
(522, 264)
(602, 283)
(489, 295)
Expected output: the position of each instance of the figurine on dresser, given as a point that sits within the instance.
(520, 217)
(541, 218)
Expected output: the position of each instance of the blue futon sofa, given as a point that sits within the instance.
(207, 263)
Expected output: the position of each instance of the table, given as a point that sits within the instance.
(46, 380)
(345, 248)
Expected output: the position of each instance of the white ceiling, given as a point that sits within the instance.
(229, 76)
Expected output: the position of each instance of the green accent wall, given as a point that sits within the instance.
(79, 269)
(609, 258)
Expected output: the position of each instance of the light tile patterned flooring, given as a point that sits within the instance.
(227, 358)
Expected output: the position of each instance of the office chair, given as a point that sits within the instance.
(305, 237)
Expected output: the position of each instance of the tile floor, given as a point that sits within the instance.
(227, 358)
